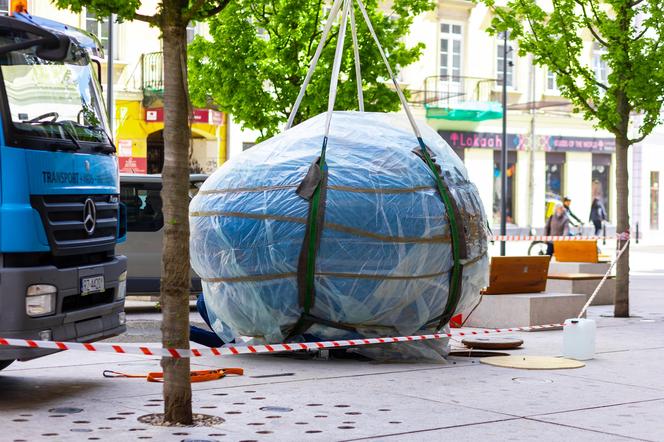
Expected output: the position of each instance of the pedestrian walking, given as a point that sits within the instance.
(556, 225)
(571, 216)
(597, 214)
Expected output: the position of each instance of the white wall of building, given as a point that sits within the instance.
(578, 178)
(482, 175)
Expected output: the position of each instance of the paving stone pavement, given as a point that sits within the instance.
(618, 396)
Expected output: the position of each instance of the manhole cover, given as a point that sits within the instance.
(65, 410)
(493, 343)
(200, 440)
(277, 409)
(532, 362)
(476, 353)
(532, 380)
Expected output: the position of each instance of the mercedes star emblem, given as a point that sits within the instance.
(89, 216)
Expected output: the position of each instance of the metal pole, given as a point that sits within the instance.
(503, 153)
(110, 102)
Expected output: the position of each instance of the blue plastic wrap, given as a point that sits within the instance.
(384, 261)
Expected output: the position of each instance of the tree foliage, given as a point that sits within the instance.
(628, 31)
(261, 49)
(128, 9)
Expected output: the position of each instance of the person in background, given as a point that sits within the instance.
(202, 336)
(556, 225)
(566, 204)
(597, 214)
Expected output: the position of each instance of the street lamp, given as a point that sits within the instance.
(503, 153)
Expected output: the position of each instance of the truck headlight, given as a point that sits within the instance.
(122, 286)
(40, 300)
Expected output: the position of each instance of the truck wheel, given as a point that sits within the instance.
(4, 364)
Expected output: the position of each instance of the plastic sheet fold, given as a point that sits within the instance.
(384, 260)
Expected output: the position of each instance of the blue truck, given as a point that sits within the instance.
(60, 214)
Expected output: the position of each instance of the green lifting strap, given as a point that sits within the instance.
(456, 234)
(314, 189)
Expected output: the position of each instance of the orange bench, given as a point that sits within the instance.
(517, 274)
(575, 251)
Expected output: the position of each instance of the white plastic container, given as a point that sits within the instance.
(579, 339)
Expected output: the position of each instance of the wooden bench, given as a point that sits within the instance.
(517, 274)
(515, 295)
(575, 251)
(584, 283)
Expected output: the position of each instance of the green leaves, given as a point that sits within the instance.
(575, 38)
(261, 50)
(125, 9)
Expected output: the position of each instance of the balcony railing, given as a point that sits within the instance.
(153, 72)
(461, 98)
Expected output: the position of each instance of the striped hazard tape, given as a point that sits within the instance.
(251, 349)
(545, 238)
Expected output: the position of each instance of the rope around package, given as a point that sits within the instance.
(231, 350)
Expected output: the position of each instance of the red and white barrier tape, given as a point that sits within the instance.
(545, 238)
(251, 349)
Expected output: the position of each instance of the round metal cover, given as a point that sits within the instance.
(492, 343)
(532, 362)
(469, 353)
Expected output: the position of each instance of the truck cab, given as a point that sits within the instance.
(60, 214)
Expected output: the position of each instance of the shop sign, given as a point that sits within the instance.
(551, 143)
(154, 115)
(133, 164)
(206, 116)
(124, 148)
(555, 143)
(461, 139)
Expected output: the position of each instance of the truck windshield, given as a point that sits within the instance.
(60, 100)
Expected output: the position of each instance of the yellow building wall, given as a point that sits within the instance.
(131, 126)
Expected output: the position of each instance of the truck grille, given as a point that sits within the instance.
(79, 302)
(72, 228)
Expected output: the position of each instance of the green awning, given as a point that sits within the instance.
(465, 111)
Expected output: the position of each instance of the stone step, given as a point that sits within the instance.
(599, 268)
(525, 309)
(586, 287)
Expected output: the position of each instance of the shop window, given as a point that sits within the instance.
(600, 179)
(451, 51)
(4, 7)
(511, 175)
(654, 200)
(500, 61)
(144, 207)
(555, 174)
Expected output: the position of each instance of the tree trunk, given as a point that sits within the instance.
(621, 305)
(175, 258)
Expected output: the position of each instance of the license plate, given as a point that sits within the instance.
(93, 284)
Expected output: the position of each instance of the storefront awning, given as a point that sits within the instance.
(465, 111)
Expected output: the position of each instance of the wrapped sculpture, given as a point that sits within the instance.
(384, 257)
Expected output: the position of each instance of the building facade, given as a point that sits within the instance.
(647, 177)
(457, 87)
